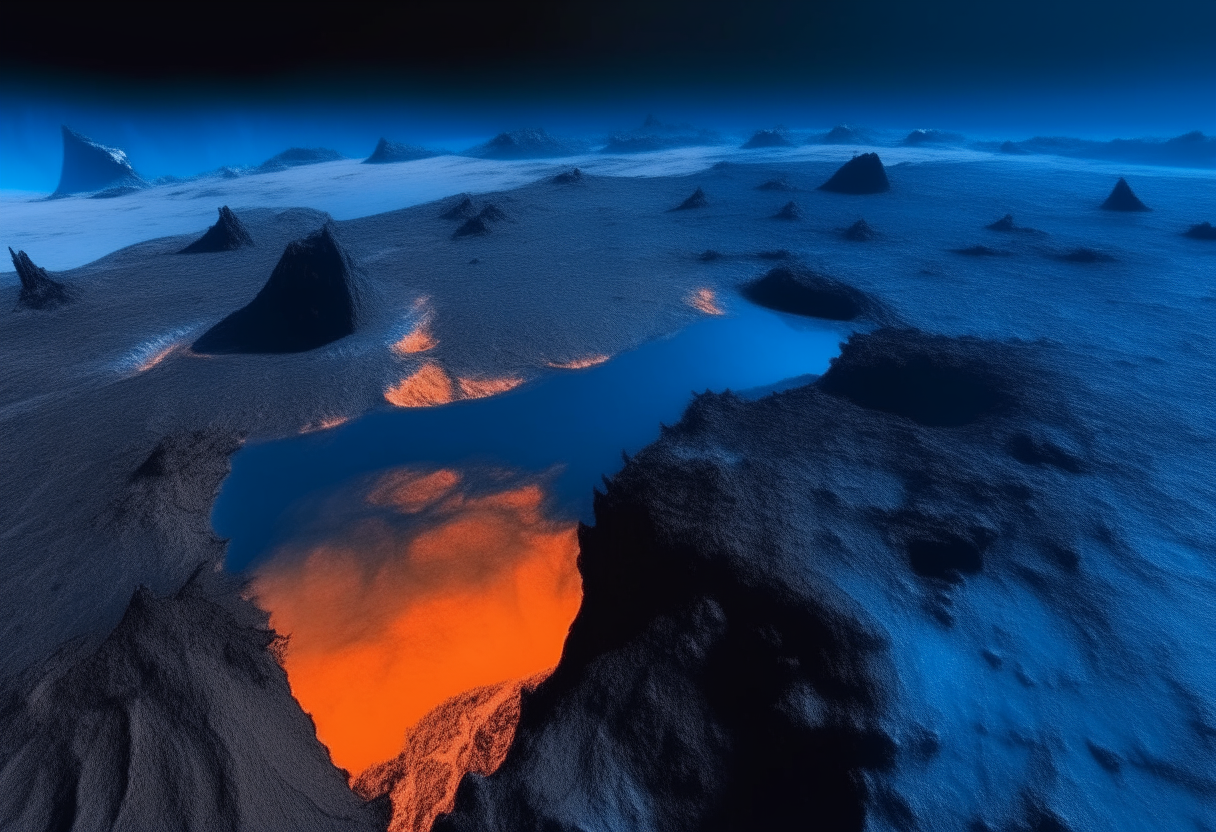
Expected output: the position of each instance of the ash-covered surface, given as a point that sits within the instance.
(38, 289)
(228, 234)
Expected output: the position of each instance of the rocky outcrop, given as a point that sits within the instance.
(1122, 199)
(862, 174)
(311, 299)
(532, 143)
(779, 184)
(801, 291)
(228, 234)
(479, 224)
(568, 177)
(387, 152)
(91, 166)
(1201, 231)
(921, 137)
(697, 200)
(294, 157)
(859, 232)
(462, 210)
(845, 134)
(38, 290)
(789, 211)
(181, 718)
(768, 138)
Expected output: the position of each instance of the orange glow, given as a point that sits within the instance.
(469, 732)
(482, 589)
(411, 492)
(579, 363)
(157, 357)
(474, 388)
(704, 300)
(325, 424)
(419, 339)
(428, 387)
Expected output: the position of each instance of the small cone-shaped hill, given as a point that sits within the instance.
(1202, 231)
(697, 200)
(228, 234)
(789, 211)
(1122, 199)
(90, 166)
(859, 232)
(862, 174)
(387, 152)
(767, 138)
(310, 300)
(38, 290)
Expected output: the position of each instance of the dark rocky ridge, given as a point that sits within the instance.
(776, 185)
(310, 300)
(801, 291)
(1006, 224)
(768, 138)
(919, 137)
(38, 289)
(91, 166)
(568, 177)
(462, 210)
(480, 224)
(789, 211)
(862, 174)
(845, 134)
(697, 200)
(1122, 199)
(1201, 231)
(228, 234)
(531, 143)
(86, 736)
(294, 157)
(719, 674)
(387, 152)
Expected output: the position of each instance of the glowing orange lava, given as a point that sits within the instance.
(157, 357)
(419, 339)
(469, 732)
(427, 387)
(704, 300)
(481, 589)
(479, 388)
(579, 363)
(325, 424)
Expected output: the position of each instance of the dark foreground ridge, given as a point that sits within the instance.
(90, 166)
(801, 291)
(1122, 199)
(387, 152)
(859, 232)
(228, 234)
(697, 200)
(181, 718)
(727, 669)
(767, 138)
(1202, 231)
(294, 157)
(38, 290)
(310, 300)
(862, 174)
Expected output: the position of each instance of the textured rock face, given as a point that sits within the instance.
(387, 152)
(1122, 199)
(804, 292)
(310, 300)
(768, 138)
(38, 290)
(90, 166)
(181, 718)
(532, 143)
(228, 234)
(862, 174)
(845, 134)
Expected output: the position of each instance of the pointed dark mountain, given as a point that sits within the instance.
(90, 166)
(475, 227)
(697, 200)
(859, 232)
(789, 211)
(310, 300)
(1122, 199)
(228, 234)
(1202, 231)
(862, 174)
(462, 210)
(569, 177)
(533, 143)
(387, 152)
(38, 290)
(767, 138)
(845, 134)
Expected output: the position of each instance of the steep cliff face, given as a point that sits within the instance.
(181, 718)
(862, 174)
(91, 166)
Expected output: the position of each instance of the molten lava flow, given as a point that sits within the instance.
(157, 357)
(427, 387)
(474, 388)
(469, 732)
(704, 300)
(419, 339)
(325, 424)
(462, 590)
(579, 363)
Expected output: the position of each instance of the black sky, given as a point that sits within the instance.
(630, 41)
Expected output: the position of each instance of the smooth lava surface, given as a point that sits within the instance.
(414, 554)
